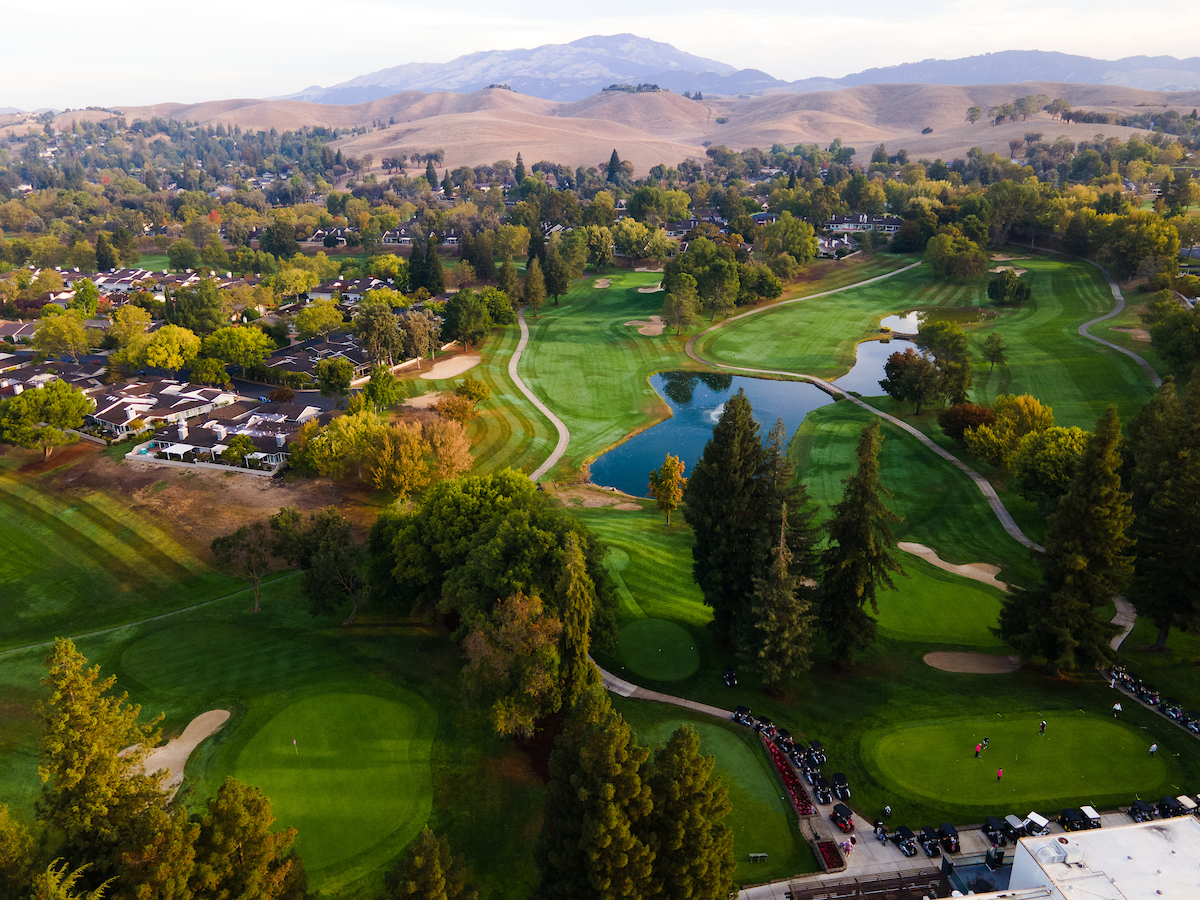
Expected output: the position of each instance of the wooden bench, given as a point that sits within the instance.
(758, 857)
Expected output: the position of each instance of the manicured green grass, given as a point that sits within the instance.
(658, 649)
(934, 606)
(761, 820)
(935, 761)
(1047, 357)
(357, 772)
(88, 563)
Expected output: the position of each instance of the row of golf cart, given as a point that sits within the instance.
(807, 759)
(929, 840)
(1165, 808)
(1148, 694)
(1001, 832)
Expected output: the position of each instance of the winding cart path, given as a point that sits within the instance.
(564, 436)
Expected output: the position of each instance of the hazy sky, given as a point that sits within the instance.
(75, 53)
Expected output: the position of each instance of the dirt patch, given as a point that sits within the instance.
(173, 755)
(515, 767)
(1138, 334)
(973, 663)
(653, 328)
(449, 368)
(602, 283)
(591, 497)
(1004, 257)
(651, 290)
(982, 572)
(62, 456)
(999, 269)
(425, 401)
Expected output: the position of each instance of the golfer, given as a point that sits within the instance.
(1116, 709)
(978, 748)
(1042, 730)
(1153, 748)
(999, 775)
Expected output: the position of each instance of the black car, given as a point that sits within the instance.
(823, 791)
(742, 716)
(993, 830)
(842, 817)
(929, 842)
(905, 840)
(1072, 819)
(730, 677)
(817, 751)
(841, 786)
(1141, 811)
(1170, 808)
(949, 835)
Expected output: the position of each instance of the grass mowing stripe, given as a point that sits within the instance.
(145, 548)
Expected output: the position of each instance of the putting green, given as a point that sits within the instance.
(1080, 757)
(358, 774)
(658, 649)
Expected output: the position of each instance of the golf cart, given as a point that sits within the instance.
(1072, 820)
(742, 716)
(816, 752)
(841, 787)
(811, 773)
(949, 835)
(905, 840)
(1013, 828)
(730, 677)
(843, 818)
(928, 838)
(1091, 816)
(1170, 808)
(765, 726)
(1141, 811)
(1036, 825)
(1188, 804)
(993, 830)
(783, 740)
(823, 791)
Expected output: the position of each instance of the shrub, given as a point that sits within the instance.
(958, 418)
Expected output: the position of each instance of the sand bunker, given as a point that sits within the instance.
(448, 368)
(602, 283)
(647, 269)
(653, 328)
(973, 663)
(982, 572)
(652, 290)
(1138, 334)
(426, 401)
(999, 269)
(173, 756)
(1004, 257)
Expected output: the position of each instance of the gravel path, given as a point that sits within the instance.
(1126, 617)
(564, 436)
(1083, 329)
(623, 688)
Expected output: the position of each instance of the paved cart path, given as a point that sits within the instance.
(564, 436)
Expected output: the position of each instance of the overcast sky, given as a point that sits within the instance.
(74, 53)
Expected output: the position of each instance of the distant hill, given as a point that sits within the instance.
(574, 71)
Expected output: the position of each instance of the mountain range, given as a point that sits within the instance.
(570, 72)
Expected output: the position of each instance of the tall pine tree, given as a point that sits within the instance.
(434, 274)
(859, 556)
(429, 871)
(557, 269)
(535, 287)
(726, 504)
(692, 845)
(509, 282)
(596, 804)
(575, 593)
(1086, 562)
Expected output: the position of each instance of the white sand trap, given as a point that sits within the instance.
(603, 283)
(999, 269)
(647, 269)
(652, 290)
(982, 572)
(173, 756)
(456, 365)
(426, 401)
(973, 663)
(1004, 257)
(653, 328)
(1138, 334)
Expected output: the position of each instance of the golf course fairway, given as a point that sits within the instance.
(357, 777)
(1082, 758)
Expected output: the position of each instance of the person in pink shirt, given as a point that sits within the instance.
(999, 774)
(978, 748)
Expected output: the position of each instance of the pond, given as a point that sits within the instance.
(697, 400)
(869, 359)
(910, 322)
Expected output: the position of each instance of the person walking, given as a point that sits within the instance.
(1042, 730)
(1153, 748)
(978, 748)
(999, 775)
(1116, 709)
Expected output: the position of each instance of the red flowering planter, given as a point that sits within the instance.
(831, 856)
(792, 786)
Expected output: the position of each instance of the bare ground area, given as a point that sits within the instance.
(455, 365)
(981, 572)
(425, 401)
(1138, 334)
(591, 497)
(973, 663)
(173, 755)
(653, 328)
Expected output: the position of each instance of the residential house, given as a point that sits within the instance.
(153, 401)
(271, 427)
(863, 222)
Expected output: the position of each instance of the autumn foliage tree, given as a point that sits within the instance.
(667, 485)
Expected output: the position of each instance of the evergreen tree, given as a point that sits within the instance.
(16, 856)
(537, 246)
(787, 498)
(1086, 562)
(614, 167)
(781, 625)
(596, 803)
(431, 174)
(692, 845)
(726, 503)
(535, 286)
(416, 267)
(428, 871)
(519, 170)
(106, 256)
(859, 556)
(237, 853)
(1165, 483)
(575, 593)
(434, 274)
(509, 283)
(667, 484)
(160, 859)
(557, 270)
